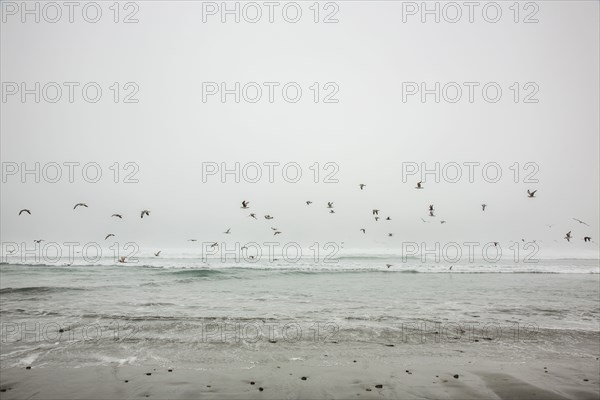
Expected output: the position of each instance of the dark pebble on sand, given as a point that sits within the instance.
(170, 370)
(379, 386)
(272, 341)
(148, 373)
(456, 376)
(477, 340)
(389, 345)
(2, 390)
(585, 380)
(208, 386)
(354, 361)
(61, 330)
(126, 381)
(27, 367)
(252, 383)
(260, 389)
(304, 378)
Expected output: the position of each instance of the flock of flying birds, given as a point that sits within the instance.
(330, 206)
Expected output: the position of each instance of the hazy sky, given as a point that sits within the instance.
(370, 58)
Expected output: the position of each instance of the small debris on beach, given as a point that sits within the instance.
(379, 386)
(456, 376)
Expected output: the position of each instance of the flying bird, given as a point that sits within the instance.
(587, 239)
(375, 212)
(424, 220)
(531, 194)
(442, 222)
(483, 206)
(308, 203)
(157, 253)
(274, 228)
(376, 218)
(388, 219)
(117, 215)
(145, 212)
(419, 185)
(390, 234)
(388, 265)
(192, 240)
(362, 185)
(268, 217)
(109, 235)
(276, 233)
(228, 231)
(495, 244)
(363, 230)
(245, 204)
(25, 210)
(253, 216)
(122, 259)
(215, 244)
(580, 221)
(331, 212)
(431, 213)
(38, 240)
(568, 236)
(431, 207)
(330, 204)
(80, 204)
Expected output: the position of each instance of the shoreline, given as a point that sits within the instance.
(334, 375)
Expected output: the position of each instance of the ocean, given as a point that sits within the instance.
(188, 312)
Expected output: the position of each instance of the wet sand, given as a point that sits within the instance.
(317, 375)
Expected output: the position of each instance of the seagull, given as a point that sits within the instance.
(441, 222)
(330, 204)
(244, 247)
(109, 235)
(157, 253)
(215, 244)
(11, 251)
(268, 217)
(122, 259)
(363, 230)
(375, 212)
(276, 233)
(192, 240)
(550, 226)
(117, 215)
(495, 244)
(580, 221)
(145, 212)
(450, 268)
(424, 220)
(390, 234)
(419, 185)
(331, 212)
(274, 228)
(25, 210)
(587, 239)
(388, 219)
(80, 204)
(245, 204)
(376, 218)
(483, 206)
(308, 203)
(568, 237)
(431, 207)
(431, 213)
(362, 185)
(38, 240)
(388, 265)
(228, 231)
(252, 215)
(531, 194)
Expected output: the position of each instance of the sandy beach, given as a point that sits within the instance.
(326, 371)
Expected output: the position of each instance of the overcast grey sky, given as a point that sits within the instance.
(367, 58)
